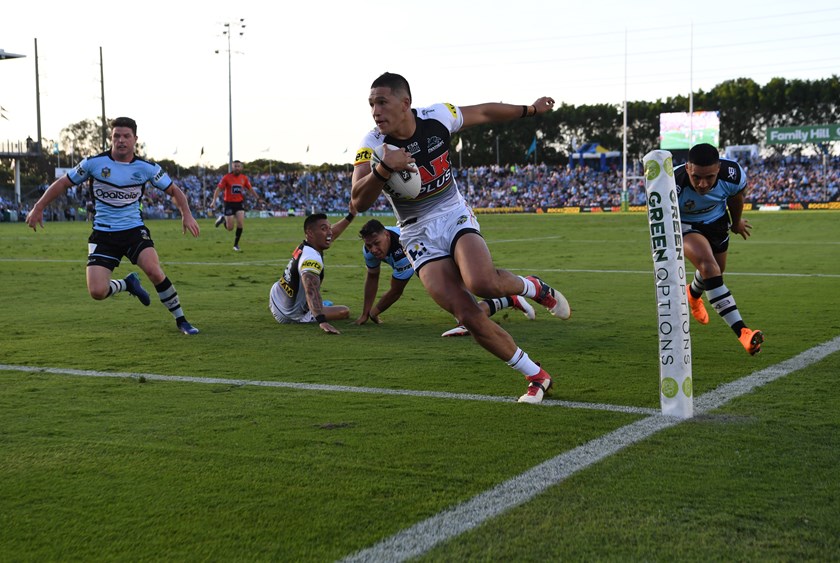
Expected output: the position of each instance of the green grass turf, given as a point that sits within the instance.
(116, 469)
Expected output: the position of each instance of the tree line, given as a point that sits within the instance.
(746, 109)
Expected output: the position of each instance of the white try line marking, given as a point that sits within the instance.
(323, 387)
(423, 536)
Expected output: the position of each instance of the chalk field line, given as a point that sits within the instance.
(452, 522)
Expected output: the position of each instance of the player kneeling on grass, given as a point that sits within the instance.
(117, 180)
(296, 296)
(711, 199)
(439, 231)
(382, 244)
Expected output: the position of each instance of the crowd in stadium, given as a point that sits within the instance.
(775, 181)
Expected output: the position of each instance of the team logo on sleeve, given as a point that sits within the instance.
(312, 265)
(363, 155)
(731, 171)
(452, 110)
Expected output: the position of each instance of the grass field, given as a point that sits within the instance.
(123, 440)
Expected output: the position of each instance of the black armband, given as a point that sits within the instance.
(320, 318)
(524, 112)
(386, 167)
(377, 174)
(350, 217)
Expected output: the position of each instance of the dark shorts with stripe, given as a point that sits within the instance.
(716, 232)
(107, 248)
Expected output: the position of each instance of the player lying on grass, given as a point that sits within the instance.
(296, 296)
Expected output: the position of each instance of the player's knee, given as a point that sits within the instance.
(488, 287)
(472, 317)
(156, 276)
(709, 268)
(99, 293)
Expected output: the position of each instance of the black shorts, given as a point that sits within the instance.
(107, 248)
(716, 232)
(231, 207)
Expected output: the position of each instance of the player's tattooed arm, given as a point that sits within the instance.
(312, 290)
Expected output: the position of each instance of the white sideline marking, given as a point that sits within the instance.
(423, 536)
(323, 387)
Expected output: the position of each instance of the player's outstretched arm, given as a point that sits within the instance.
(740, 226)
(35, 216)
(342, 224)
(497, 112)
(188, 222)
(371, 285)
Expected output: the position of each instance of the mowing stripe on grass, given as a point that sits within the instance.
(423, 536)
(328, 388)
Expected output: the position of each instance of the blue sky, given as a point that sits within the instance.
(302, 71)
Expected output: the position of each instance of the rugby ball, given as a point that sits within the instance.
(403, 184)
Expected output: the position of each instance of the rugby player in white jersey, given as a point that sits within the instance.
(439, 232)
(296, 296)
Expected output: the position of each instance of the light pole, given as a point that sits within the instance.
(228, 31)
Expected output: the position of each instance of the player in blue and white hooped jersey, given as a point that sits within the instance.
(439, 232)
(710, 191)
(382, 244)
(117, 180)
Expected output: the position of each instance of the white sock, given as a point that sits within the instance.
(523, 364)
(530, 289)
(116, 286)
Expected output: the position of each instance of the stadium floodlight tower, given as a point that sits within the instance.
(16, 157)
(229, 30)
(6, 55)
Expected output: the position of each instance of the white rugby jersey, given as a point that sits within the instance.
(287, 295)
(429, 146)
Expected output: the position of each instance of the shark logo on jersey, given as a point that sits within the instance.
(106, 172)
(690, 205)
(435, 143)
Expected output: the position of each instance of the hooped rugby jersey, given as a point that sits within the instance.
(395, 258)
(234, 186)
(696, 208)
(286, 294)
(429, 146)
(117, 187)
